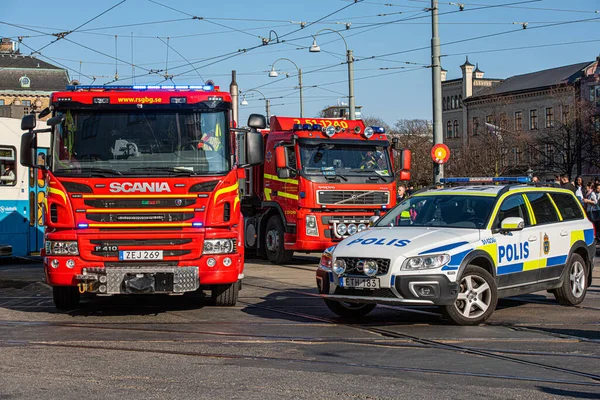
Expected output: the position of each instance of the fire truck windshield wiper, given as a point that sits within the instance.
(171, 170)
(89, 171)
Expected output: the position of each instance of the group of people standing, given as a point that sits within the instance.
(589, 195)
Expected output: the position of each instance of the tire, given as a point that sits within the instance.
(66, 297)
(276, 253)
(476, 301)
(349, 310)
(574, 286)
(225, 295)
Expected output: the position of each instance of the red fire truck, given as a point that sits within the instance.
(321, 181)
(143, 193)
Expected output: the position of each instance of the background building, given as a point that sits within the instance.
(26, 82)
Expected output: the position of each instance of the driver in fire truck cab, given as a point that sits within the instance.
(204, 135)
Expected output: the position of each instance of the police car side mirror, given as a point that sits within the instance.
(512, 224)
(373, 220)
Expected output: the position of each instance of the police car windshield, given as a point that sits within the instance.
(105, 143)
(441, 210)
(330, 158)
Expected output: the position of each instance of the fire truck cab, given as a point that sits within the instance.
(143, 192)
(320, 182)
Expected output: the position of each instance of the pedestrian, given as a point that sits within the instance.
(8, 176)
(590, 201)
(579, 188)
(535, 179)
(557, 180)
(596, 212)
(402, 195)
(565, 184)
(411, 189)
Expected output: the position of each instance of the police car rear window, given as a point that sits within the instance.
(543, 209)
(567, 205)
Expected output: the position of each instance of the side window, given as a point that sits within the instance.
(543, 209)
(291, 157)
(567, 205)
(8, 163)
(513, 206)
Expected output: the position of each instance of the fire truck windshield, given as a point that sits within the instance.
(332, 158)
(108, 143)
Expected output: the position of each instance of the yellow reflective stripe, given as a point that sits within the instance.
(58, 192)
(555, 207)
(137, 210)
(543, 262)
(473, 193)
(576, 236)
(147, 225)
(139, 196)
(226, 190)
(530, 209)
(529, 265)
(287, 195)
(511, 226)
(235, 202)
(268, 194)
(275, 178)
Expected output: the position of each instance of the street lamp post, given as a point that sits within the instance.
(315, 48)
(244, 102)
(273, 74)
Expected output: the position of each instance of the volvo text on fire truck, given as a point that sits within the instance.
(321, 181)
(143, 191)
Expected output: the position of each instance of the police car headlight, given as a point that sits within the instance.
(326, 261)
(426, 262)
(370, 268)
(61, 248)
(311, 226)
(339, 267)
(341, 229)
(219, 246)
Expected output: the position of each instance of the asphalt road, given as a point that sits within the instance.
(282, 342)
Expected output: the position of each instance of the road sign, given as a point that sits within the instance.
(440, 153)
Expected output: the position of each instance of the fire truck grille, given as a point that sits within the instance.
(138, 203)
(141, 242)
(154, 217)
(166, 253)
(364, 197)
(352, 267)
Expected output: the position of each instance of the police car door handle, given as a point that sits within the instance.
(532, 238)
(564, 233)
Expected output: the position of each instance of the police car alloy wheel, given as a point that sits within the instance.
(476, 300)
(349, 310)
(574, 287)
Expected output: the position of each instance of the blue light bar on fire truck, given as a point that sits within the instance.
(205, 88)
(499, 179)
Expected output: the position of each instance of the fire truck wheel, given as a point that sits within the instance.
(65, 297)
(276, 253)
(225, 295)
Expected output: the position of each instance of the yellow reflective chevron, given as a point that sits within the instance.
(492, 250)
(286, 180)
(287, 195)
(576, 236)
(235, 202)
(58, 192)
(268, 194)
(225, 190)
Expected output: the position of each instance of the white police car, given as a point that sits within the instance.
(462, 248)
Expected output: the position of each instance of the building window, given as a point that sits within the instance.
(592, 94)
(549, 117)
(8, 165)
(565, 114)
(444, 104)
(455, 128)
(449, 129)
(475, 126)
(597, 123)
(26, 103)
(533, 123)
(518, 121)
(1, 102)
(460, 101)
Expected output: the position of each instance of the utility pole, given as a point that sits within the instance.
(268, 106)
(350, 60)
(300, 88)
(233, 90)
(436, 81)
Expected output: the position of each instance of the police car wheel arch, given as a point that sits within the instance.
(588, 262)
(476, 254)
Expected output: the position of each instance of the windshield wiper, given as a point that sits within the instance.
(172, 170)
(90, 170)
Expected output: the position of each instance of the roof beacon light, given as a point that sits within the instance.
(368, 132)
(297, 127)
(317, 127)
(378, 129)
(499, 179)
(330, 131)
(206, 88)
(307, 127)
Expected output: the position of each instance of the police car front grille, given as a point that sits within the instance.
(365, 293)
(365, 197)
(383, 265)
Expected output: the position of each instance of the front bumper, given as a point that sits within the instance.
(400, 289)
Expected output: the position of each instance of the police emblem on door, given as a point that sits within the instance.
(546, 244)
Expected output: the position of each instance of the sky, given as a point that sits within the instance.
(188, 42)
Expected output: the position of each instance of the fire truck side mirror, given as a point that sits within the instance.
(405, 160)
(284, 173)
(255, 151)
(257, 121)
(280, 157)
(28, 122)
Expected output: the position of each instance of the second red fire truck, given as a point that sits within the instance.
(321, 181)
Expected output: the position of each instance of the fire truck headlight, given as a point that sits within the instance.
(61, 248)
(219, 246)
(369, 132)
(362, 227)
(330, 131)
(341, 229)
(311, 226)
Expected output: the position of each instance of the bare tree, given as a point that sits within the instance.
(416, 135)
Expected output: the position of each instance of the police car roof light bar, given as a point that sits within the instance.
(205, 88)
(499, 179)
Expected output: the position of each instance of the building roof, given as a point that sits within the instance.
(467, 63)
(537, 80)
(40, 80)
(477, 68)
(21, 61)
